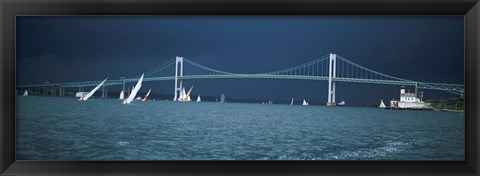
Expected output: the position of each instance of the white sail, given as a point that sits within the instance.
(186, 97)
(198, 99)
(182, 94)
(122, 95)
(146, 96)
(134, 92)
(382, 105)
(291, 103)
(222, 98)
(305, 103)
(25, 93)
(86, 97)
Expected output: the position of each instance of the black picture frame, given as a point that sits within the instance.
(469, 8)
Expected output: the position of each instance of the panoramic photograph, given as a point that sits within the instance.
(240, 88)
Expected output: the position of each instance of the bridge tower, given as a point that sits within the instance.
(331, 83)
(178, 72)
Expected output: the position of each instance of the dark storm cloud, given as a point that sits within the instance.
(422, 48)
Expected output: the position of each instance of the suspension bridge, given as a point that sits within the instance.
(331, 67)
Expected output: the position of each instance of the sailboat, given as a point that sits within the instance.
(122, 95)
(86, 97)
(146, 96)
(198, 99)
(305, 103)
(291, 103)
(25, 93)
(186, 97)
(222, 98)
(134, 92)
(382, 105)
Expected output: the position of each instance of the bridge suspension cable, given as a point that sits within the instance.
(304, 69)
(197, 69)
(358, 71)
(160, 69)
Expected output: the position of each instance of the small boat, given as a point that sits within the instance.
(222, 98)
(305, 103)
(382, 105)
(138, 98)
(270, 102)
(86, 97)
(342, 103)
(291, 103)
(122, 95)
(25, 93)
(198, 99)
(146, 96)
(134, 92)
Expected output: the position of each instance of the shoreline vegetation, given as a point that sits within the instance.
(451, 105)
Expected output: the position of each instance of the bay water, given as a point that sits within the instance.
(63, 128)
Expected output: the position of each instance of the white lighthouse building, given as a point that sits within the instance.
(410, 100)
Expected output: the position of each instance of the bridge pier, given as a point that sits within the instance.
(123, 88)
(178, 72)
(331, 83)
(104, 91)
(127, 92)
(62, 91)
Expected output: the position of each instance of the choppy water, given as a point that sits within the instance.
(59, 128)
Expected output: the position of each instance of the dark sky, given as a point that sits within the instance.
(76, 48)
